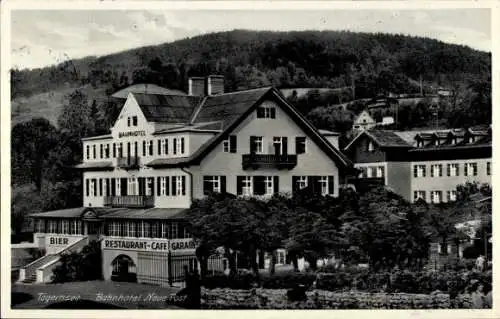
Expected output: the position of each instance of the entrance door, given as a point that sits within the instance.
(123, 269)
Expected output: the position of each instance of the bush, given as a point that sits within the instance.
(334, 281)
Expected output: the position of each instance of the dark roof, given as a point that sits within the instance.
(74, 212)
(229, 106)
(202, 127)
(167, 108)
(148, 213)
(232, 109)
(99, 137)
(95, 165)
(147, 88)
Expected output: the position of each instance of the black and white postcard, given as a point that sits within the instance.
(175, 156)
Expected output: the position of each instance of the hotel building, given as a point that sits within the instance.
(167, 148)
(426, 165)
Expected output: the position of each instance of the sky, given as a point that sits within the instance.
(41, 38)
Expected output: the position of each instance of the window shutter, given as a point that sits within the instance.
(100, 186)
(259, 187)
(158, 186)
(87, 187)
(152, 179)
(310, 183)
(159, 147)
(382, 168)
(273, 112)
(276, 184)
(182, 145)
(239, 185)
(424, 171)
(330, 185)
(223, 184)
(232, 144)
(167, 185)
(143, 148)
(465, 169)
(166, 146)
(252, 144)
(174, 185)
(295, 184)
(415, 172)
(174, 146)
(183, 183)
(113, 187)
(448, 170)
(440, 170)
(284, 140)
(207, 186)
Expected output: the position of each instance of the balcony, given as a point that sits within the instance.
(130, 201)
(131, 162)
(279, 161)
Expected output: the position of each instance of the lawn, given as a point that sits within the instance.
(92, 294)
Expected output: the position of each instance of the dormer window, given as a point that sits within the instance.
(266, 112)
(134, 120)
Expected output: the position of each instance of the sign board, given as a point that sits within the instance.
(148, 244)
(54, 243)
(131, 133)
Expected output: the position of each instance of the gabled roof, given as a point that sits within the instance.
(384, 139)
(145, 88)
(232, 108)
(166, 108)
(228, 107)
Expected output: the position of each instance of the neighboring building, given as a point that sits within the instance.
(165, 150)
(363, 121)
(427, 165)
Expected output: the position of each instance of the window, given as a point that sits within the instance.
(64, 227)
(165, 229)
(419, 171)
(87, 187)
(134, 120)
(87, 152)
(106, 151)
(256, 145)
(436, 170)
(302, 182)
(323, 181)
(300, 145)
(488, 168)
(214, 184)
(180, 145)
(452, 169)
(132, 186)
(244, 185)
(159, 146)
(143, 148)
(164, 146)
(128, 121)
(418, 195)
(146, 227)
(114, 150)
(269, 185)
(363, 172)
(100, 186)
(470, 169)
(93, 187)
(94, 151)
(370, 147)
(452, 195)
(178, 185)
(436, 197)
(154, 230)
(120, 150)
(40, 226)
(52, 227)
(131, 229)
(280, 145)
(163, 185)
(229, 145)
(266, 112)
(369, 172)
(101, 155)
(175, 230)
(380, 171)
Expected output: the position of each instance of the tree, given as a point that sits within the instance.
(32, 142)
(25, 200)
(75, 119)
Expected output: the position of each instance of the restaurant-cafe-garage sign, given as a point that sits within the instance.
(148, 245)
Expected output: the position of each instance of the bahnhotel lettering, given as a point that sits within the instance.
(131, 133)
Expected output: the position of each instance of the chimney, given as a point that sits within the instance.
(196, 86)
(215, 84)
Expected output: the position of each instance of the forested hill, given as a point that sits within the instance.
(376, 62)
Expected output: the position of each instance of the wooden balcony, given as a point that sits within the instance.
(279, 161)
(130, 201)
(132, 162)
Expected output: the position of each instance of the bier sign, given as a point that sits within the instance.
(131, 133)
(148, 245)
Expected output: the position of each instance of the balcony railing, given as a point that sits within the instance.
(279, 161)
(131, 162)
(132, 201)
